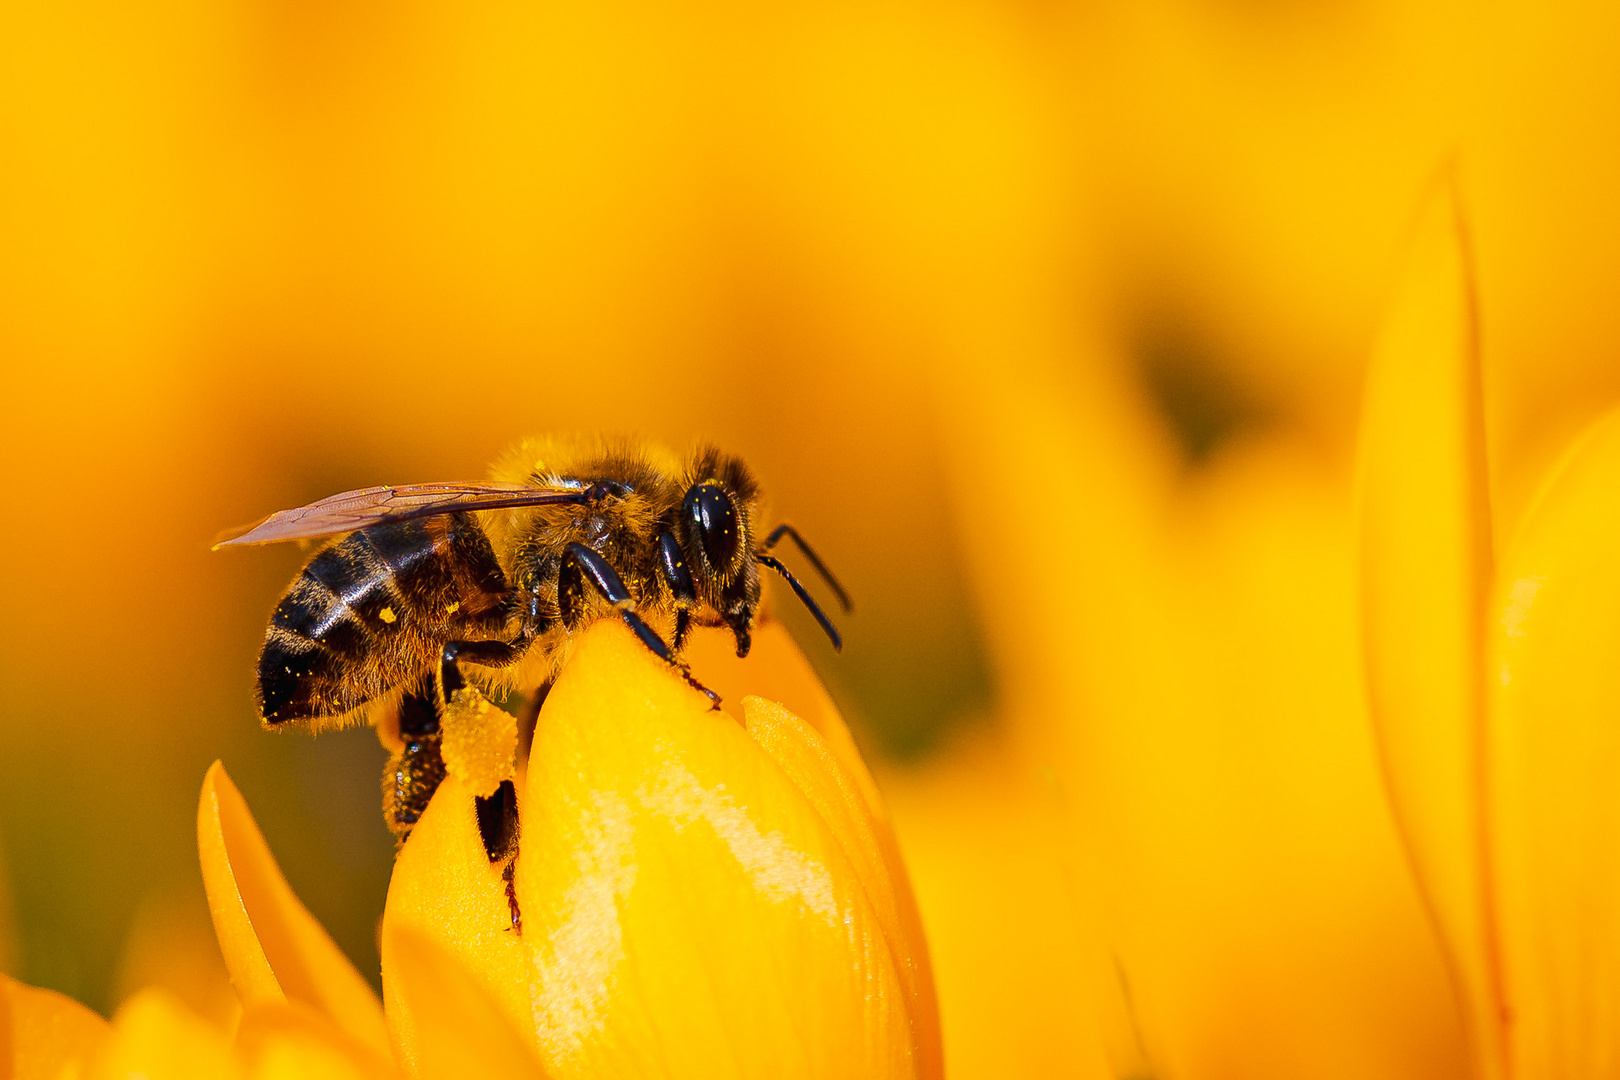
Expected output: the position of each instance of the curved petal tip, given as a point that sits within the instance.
(274, 948)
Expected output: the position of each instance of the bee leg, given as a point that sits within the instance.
(498, 822)
(414, 773)
(672, 565)
(486, 653)
(606, 581)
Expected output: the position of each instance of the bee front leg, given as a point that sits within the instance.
(672, 565)
(587, 564)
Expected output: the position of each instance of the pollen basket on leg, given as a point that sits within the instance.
(479, 741)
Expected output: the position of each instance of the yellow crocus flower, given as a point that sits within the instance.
(698, 896)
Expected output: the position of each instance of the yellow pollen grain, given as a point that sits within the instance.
(479, 743)
(387, 615)
(454, 607)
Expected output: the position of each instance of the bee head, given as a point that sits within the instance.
(716, 525)
(721, 541)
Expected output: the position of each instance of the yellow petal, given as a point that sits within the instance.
(776, 671)
(286, 1039)
(43, 1032)
(1554, 764)
(274, 948)
(445, 889)
(775, 668)
(869, 847)
(1426, 565)
(687, 911)
(459, 1027)
(157, 1038)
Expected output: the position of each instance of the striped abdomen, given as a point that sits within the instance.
(373, 609)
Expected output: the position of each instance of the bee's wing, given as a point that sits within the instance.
(353, 510)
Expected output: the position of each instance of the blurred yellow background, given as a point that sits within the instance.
(1045, 321)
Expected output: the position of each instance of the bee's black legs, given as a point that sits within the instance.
(498, 822)
(581, 564)
(785, 529)
(799, 591)
(486, 653)
(415, 771)
(672, 564)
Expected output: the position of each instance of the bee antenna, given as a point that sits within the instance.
(787, 530)
(805, 598)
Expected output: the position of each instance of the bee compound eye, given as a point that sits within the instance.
(713, 520)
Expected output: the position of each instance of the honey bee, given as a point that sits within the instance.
(424, 578)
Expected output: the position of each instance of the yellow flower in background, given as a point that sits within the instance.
(692, 897)
(47, 1036)
(42, 1031)
(1494, 685)
(1184, 721)
(1426, 570)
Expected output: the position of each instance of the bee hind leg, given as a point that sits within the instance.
(415, 771)
(498, 828)
(606, 581)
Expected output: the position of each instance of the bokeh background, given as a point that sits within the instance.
(1045, 320)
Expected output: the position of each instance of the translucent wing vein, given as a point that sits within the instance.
(351, 510)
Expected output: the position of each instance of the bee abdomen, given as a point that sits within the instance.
(294, 679)
(342, 626)
(345, 599)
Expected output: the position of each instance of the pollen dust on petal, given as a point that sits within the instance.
(577, 968)
(1520, 599)
(479, 743)
(776, 868)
